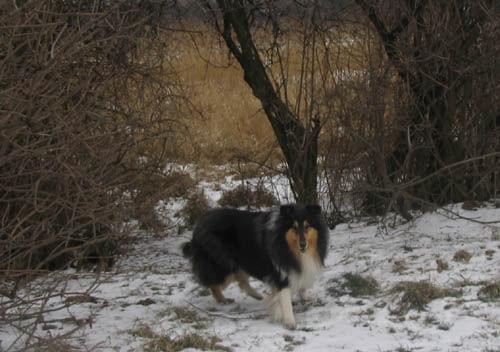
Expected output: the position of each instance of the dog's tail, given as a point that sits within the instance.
(187, 249)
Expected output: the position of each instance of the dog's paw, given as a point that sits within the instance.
(276, 313)
(290, 324)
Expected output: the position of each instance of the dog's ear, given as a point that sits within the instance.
(313, 209)
(287, 210)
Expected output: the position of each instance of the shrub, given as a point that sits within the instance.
(80, 111)
(197, 204)
(245, 196)
(179, 184)
(87, 111)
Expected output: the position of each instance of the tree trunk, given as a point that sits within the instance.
(298, 142)
(426, 145)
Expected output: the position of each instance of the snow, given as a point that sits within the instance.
(153, 278)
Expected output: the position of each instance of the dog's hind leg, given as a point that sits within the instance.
(242, 279)
(217, 290)
(219, 297)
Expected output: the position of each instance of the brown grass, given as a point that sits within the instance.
(228, 122)
(416, 295)
(462, 256)
(355, 285)
(490, 292)
(168, 344)
(442, 265)
(186, 315)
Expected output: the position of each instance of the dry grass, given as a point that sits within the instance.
(186, 315)
(360, 285)
(355, 285)
(490, 292)
(399, 267)
(143, 331)
(159, 343)
(442, 265)
(228, 122)
(167, 344)
(462, 256)
(416, 295)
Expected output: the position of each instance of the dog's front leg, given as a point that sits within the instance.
(285, 301)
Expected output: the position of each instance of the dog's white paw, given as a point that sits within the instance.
(280, 309)
(277, 316)
(290, 324)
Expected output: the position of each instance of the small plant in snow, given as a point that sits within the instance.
(416, 295)
(358, 285)
(462, 256)
(490, 292)
(442, 265)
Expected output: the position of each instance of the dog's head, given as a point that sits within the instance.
(302, 226)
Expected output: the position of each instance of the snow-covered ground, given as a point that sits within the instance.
(150, 294)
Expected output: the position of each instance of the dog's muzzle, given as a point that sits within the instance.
(303, 246)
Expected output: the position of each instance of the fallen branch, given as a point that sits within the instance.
(224, 315)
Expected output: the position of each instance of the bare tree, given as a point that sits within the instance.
(296, 127)
(444, 54)
(87, 115)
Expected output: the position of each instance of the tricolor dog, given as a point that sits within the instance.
(285, 248)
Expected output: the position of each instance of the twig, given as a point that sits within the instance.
(55, 41)
(223, 315)
(458, 216)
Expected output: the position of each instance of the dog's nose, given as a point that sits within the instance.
(303, 245)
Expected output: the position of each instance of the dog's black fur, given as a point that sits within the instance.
(229, 241)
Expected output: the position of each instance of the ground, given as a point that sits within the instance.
(386, 286)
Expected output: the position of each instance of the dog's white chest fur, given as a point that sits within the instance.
(305, 279)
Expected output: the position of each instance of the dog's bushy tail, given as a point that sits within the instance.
(187, 249)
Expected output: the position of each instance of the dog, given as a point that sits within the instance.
(285, 248)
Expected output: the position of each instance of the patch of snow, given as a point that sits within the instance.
(153, 278)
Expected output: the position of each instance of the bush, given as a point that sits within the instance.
(155, 188)
(244, 196)
(197, 204)
(77, 125)
(179, 184)
(87, 111)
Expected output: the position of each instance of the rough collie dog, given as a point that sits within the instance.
(284, 248)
